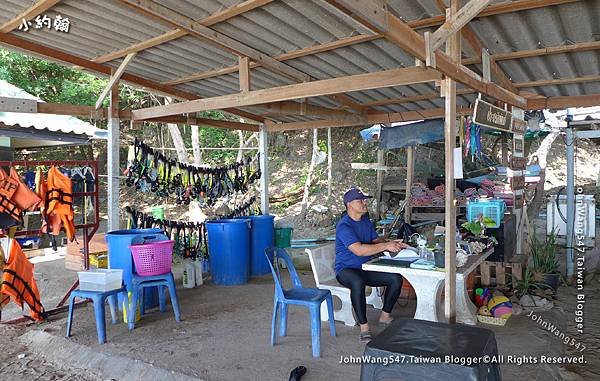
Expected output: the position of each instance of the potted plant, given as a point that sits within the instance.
(527, 285)
(544, 258)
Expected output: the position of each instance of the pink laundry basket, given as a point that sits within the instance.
(153, 258)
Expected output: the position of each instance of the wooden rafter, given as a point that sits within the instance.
(14, 42)
(406, 116)
(35, 10)
(591, 100)
(114, 79)
(386, 78)
(244, 73)
(224, 42)
(495, 9)
(571, 48)
(302, 109)
(399, 33)
(560, 81)
(171, 35)
(475, 43)
(281, 57)
(209, 35)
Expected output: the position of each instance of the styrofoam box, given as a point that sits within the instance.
(100, 279)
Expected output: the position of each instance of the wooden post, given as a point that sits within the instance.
(378, 192)
(244, 73)
(329, 163)
(264, 168)
(454, 50)
(112, 160)
(410, 173)
(196, 145)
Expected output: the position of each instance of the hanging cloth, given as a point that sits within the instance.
(59, 203)
(18, 282)
(467, 137)
(461, 131)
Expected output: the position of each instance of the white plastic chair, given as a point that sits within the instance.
(322, 259)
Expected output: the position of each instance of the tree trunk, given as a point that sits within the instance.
(240, 154)
(311, 169)
(196, 145)
(329, 163)
(178, 143)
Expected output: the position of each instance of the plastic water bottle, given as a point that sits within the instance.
(189, 278)
(198, 272)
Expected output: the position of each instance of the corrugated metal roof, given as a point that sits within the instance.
(49, 122)
(283, 26)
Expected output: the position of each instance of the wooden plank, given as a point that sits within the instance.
(414, 98)
(387, 78)
(410, 173)
(281, 57)
(453, 49)
(376, 166)
(561, 81)
(517, 271)
(564, 102)
(405, 116)
(304, 108)
(14, 42)
(494, 9)
(114, 79)
(500, 274)
(195, 28)
(35, 10)
(171, 35)
(485, 273)
(458, 20)
(244, 73)
(398, 32)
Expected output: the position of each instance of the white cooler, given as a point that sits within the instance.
(100, 279)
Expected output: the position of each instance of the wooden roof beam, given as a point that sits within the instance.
(218, 39)
(302, 109)
(553, 103)
(560, 81)
(17, 43)
(398, 32)
(386, 118)
(114, 79)
(171, 35)
(35, 10)
(386, 78)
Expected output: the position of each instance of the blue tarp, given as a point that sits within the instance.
(368, 134)
(411, 134)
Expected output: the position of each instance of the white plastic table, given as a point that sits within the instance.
(428, 288)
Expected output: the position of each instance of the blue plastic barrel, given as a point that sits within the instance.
(229, 251)
(119, 256)
(262, 235)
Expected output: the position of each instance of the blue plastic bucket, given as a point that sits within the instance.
(119, 256)
(262, 235)
(229, 251)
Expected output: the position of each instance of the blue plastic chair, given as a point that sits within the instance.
(302, 296)
(139, 283)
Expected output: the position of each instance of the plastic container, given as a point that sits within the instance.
(100, 280)
(262, 235)
(158, 213)
(283, 237)
(229, 251)
(493, 209)
(119, 256)
(153, 258)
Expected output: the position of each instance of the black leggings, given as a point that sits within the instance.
(357, 279)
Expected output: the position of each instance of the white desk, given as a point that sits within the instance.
(428, 288)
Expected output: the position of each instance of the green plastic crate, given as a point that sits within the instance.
(283, 237)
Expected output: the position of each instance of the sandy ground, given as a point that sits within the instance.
(225, 334)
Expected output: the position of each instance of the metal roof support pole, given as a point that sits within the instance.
(264, 168)
(454, 50)
(570, 139)
(113, 158)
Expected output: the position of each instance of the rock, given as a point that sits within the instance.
(21, 356)
(320, 208)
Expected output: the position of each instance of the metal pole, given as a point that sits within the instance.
(570, 190)
(264, 168)
(113, 160)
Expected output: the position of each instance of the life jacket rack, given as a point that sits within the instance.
(88, 228)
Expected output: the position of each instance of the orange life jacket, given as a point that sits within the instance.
(24, 197)
(8, 188)
(59, 203)
(4, 299)
(41, 187)
(18, 282)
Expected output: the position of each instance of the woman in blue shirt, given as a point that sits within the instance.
(356, 242)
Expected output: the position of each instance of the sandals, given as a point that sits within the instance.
(387, 322)
(297, 373)
(365, 337)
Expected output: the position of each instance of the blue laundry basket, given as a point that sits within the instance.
(262, 235)
(119, 256)
(229, 251)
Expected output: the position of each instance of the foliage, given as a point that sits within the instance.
(474, 228)
(543, 254)
(527, 285)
